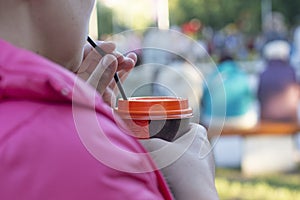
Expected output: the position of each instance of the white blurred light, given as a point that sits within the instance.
(163, 14)
(110, 3)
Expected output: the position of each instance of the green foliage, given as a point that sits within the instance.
(231, 184)
(217, 13)
(105, 19)
(214, 13)
(290, 9)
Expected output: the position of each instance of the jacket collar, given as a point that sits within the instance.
(26, 75)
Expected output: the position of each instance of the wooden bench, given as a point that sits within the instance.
(266, 147)
(262, 128)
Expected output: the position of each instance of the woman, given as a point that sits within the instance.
(278, 89)
(58, 139)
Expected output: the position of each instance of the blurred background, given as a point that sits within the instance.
(238, 63)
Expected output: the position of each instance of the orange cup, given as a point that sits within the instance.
(155, 117)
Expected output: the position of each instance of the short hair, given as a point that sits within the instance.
(277, 49)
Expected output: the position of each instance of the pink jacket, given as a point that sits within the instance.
(58, 140)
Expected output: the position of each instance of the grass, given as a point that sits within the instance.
(233, 185)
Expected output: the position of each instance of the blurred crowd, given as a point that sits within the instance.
(217, 56)
(230, 78)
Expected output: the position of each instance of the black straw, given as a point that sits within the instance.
(116, 77)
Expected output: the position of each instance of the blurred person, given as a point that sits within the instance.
(192, 28)
(155, 43)
(278, 90)
(58, 138)
(227, 95)
(274, 27)
(235, 41)
(295, 55)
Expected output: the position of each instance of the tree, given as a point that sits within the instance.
(290, 9)
(217, 13)
(105, 19)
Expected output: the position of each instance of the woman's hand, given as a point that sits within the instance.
(186, 163)
(99, 70)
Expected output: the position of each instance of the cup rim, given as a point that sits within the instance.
(154, 108)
